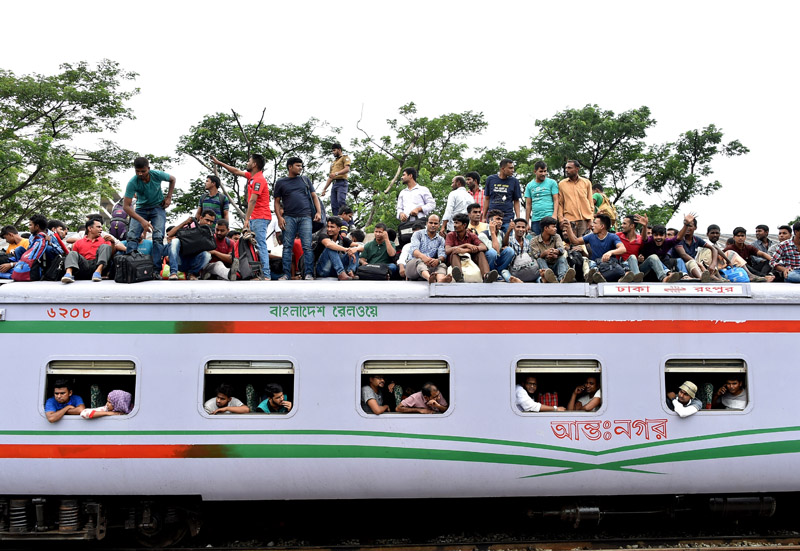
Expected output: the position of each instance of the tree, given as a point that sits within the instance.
(223, 136)
(434, 146)
(41, 118)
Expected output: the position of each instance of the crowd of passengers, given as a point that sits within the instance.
(380, 396)
(566, 234)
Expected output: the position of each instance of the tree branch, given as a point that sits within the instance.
(221, 187)
(400, 163)
(246, 139)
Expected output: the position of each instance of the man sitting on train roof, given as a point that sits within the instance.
(463, 242)
(335, 254)
(684, 402)
(225, 402)
(63, 402)
(655, 250)
(731, 395)
(685, 251)
(748, 252)
(380, 250)
(786, 259)
(427, 254)
(605, 246)
(372, 395)
(90, 255)
(526, 396)
(428, 400)
(192, 264)
(277, 402)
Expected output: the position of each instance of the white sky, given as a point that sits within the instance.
(693, 63)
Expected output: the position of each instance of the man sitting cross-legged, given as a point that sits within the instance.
(90, 255)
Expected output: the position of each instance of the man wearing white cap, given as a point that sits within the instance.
(685, 404)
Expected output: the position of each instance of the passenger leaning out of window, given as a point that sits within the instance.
(586, 397)
(118, 403)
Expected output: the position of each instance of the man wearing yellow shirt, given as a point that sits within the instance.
(575, 199)
(12, 237)
(338, 176)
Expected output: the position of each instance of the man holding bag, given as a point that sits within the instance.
(189, 245)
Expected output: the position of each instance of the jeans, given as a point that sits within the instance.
(560, 266)
(536, 227)
(338, 195)
(158, 219)
(259, 227)
(499, 261)
(332, 263)
(297, 226)
(654, 263)
(188, 264)
(631, 265)
(793, 276)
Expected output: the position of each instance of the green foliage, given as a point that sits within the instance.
(41, 117)
(220, 135)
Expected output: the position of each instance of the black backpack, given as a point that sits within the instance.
(245, 251)
(376, 272)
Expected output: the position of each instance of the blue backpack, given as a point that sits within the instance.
(735, 275)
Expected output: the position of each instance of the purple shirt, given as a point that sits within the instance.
(649, 247)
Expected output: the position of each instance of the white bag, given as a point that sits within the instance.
(470, 270)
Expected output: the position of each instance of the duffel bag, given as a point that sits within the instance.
(377, 272)
(133, 268)
(612, 270)
(196, 240)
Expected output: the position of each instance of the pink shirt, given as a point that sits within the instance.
(416, 400)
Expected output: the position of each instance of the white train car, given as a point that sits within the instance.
(171, 344)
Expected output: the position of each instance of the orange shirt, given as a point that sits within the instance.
(575, 199)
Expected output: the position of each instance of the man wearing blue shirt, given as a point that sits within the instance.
(503, 192)
(63, 402)
(541, 198)
(604, 246)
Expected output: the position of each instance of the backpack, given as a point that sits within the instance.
(119, 221)
(245, 251)
(607, 208)
(612, 270)
(373, 272)
(34, 261)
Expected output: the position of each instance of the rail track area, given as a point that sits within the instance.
(486, 524)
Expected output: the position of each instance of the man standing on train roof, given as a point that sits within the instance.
(297, 208)
(338, 176)
(474, 186)
(542, 198)
(684, 402)
(150, 214)
(575, 198)
(63, 402)
(372, 395)
(503, 192)
(258, 215)
(415, 201)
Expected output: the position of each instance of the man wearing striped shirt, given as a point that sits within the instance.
(786, 259)
(428, 255)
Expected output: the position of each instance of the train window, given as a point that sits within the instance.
(91, 380)
(260, 386)
(395, 381)
(716, 383)
(544, 385)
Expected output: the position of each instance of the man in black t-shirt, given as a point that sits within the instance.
(335, 254)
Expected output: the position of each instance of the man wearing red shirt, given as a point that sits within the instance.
(462, 241)
(90, 255)
(632, 242)
(221, 257)
(258, 214)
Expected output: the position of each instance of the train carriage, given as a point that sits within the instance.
(170, 345)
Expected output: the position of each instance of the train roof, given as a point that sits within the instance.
(381, 292)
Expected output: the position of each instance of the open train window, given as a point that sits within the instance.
(91, 380)
(391, 383)
(716, 383)
(548, 385)
(260, 386)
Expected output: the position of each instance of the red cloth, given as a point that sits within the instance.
(224, 246)
(88, 248)
(549, 399)
(631, 247)
(256, 183)
(469, 238)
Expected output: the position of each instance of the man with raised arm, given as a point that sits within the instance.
(498, 254)
(415, 201)
(336, 255)
(655, 249)
(258, 215)
(632, 242)
(575, 199)
(150, 214)
(338, 177)
(604, 245)
(686, 250)
(504, 193)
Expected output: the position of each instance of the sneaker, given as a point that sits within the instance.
(97, 276)
(638, 278)
(173, 277)
(458, 275)
(68, 278)
(283, 278)
(569, 276)
(627, 278)
(491, 277)
(598, 278)
(309, 277)
(672, 277)
(705, 277)
(549, 276)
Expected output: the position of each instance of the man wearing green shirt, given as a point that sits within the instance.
(150, 214)
(380, 250)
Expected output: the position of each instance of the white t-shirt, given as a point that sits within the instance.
(211, 405)
(735, 402)
(585, 399)
(524, 400)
